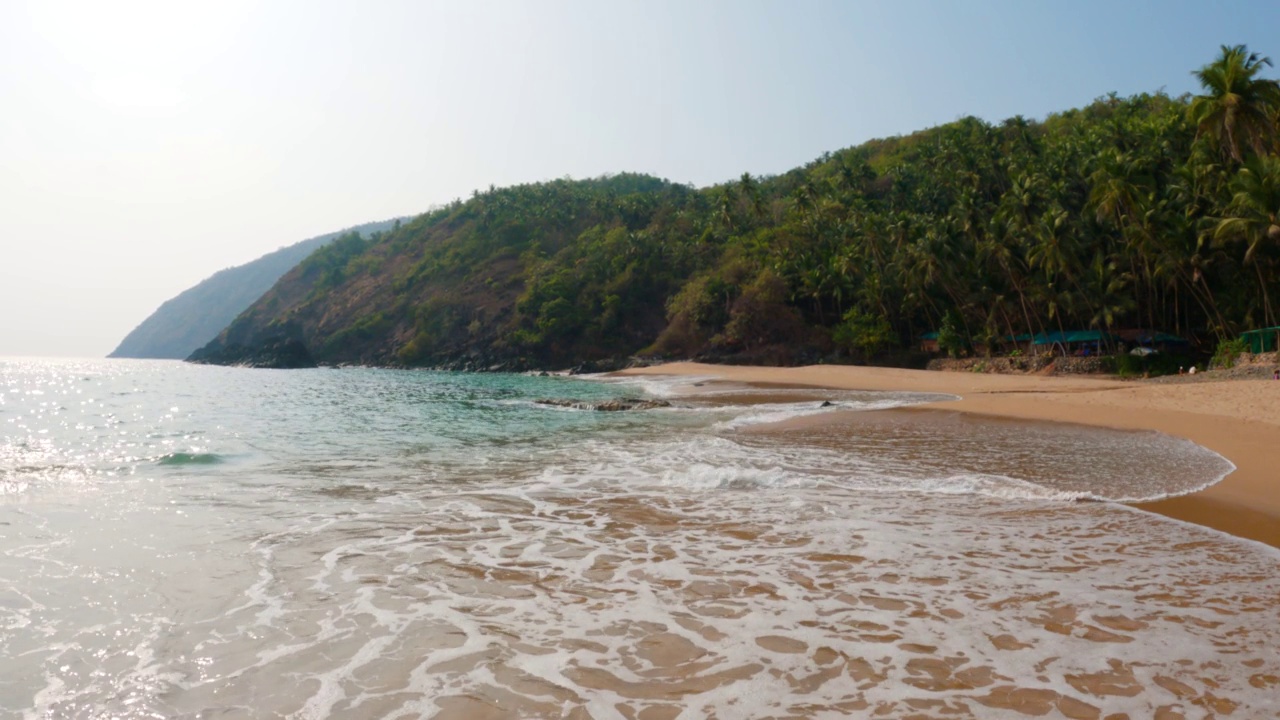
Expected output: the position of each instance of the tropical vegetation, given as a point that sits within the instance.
(1148, 211)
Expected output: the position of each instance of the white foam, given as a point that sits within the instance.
(600, 571)
(583, 577)
(705, 476)
(771, 413)
(662, 386)
(994, 486)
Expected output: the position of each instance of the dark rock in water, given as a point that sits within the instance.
(645, 360)
(553, 402)
(827, 403)
(615, 405)
(591, 367)
(607, 405)
(278, 353)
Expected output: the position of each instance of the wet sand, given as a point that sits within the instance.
(1239, 419)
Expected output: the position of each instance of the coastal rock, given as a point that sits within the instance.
(637, 361)
(276, 353)
(591, 367)
(1019, 365)
(606, 406)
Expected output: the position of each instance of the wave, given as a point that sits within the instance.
(1013, 464)
(768, 413)
(1001, 487)
(712, 476)
(182, 458)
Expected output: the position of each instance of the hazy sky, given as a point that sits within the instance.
(146, 145)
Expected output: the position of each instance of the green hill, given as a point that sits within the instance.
(194, 317)
(1140, 212)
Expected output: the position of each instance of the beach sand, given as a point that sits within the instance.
(1239, 419)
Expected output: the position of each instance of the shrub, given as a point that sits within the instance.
(1125, 365)
(951, 336)
(1228, 352)
(761, 316)
(864, 332)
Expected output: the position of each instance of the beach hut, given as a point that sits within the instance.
(1021, 343)
(1162, 341)
(929, 342)
(1157, 337)
(1081, 341)
(1262, 340)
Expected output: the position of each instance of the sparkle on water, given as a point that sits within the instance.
(183, 541)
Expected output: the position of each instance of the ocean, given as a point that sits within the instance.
(182, 541)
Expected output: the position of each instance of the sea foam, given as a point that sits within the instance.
(432, 545)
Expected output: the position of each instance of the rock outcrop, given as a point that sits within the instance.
(607, 405)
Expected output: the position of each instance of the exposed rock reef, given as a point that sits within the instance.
(618, 405)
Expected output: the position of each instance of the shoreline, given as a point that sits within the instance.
(1229, 417)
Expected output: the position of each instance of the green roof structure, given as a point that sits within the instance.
(1262, 340)
(1162, 337)
(1074, 336)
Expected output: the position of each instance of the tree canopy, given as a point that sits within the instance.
(1141, 212)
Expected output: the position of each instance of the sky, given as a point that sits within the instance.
(146, 144)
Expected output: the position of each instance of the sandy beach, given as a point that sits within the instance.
(1239, 419)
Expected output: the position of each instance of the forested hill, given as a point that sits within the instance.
(1141, 212)
(195, 316)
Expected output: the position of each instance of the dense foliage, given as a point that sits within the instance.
(1148, 211)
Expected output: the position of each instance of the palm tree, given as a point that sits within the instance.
(749, 190)
(1239, 107)
(1255, 205)
(724, 208)
(1107, 292)
(1255, 215)
(1119, 188)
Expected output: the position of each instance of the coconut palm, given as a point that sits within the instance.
(1253, 216)
(1239, 107)
(1255, 205)
(1120, 187)
(749, 190)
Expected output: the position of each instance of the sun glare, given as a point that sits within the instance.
(135, 54)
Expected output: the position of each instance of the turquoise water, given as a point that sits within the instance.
(189, 541)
